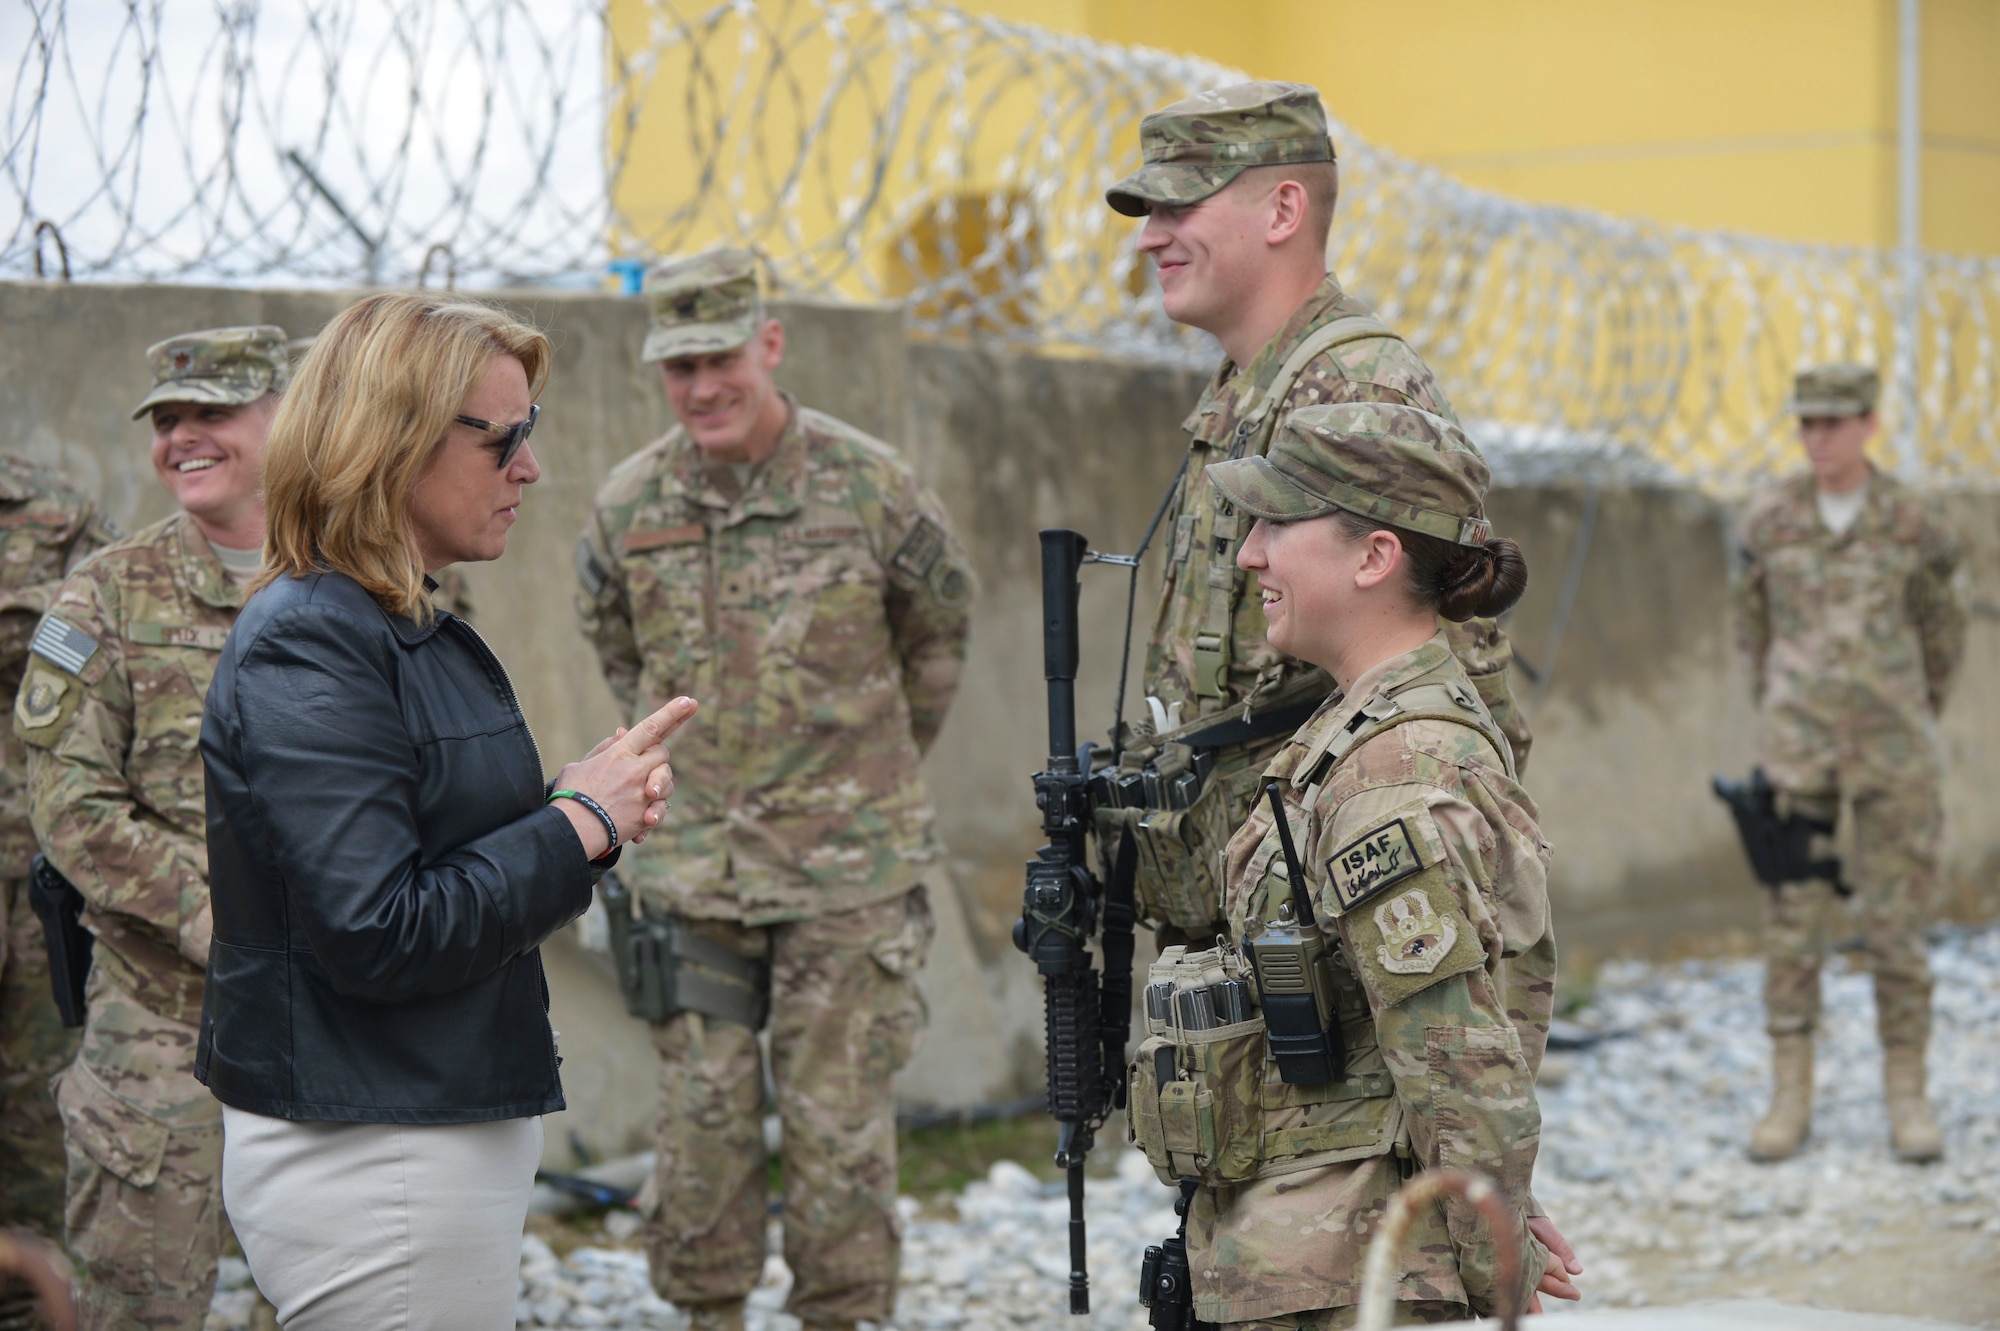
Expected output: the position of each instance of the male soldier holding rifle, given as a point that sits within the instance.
(796, 576)
(1854, 631)
(1238, 191)
(1238, 188)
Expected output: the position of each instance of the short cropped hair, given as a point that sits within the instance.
(1322, 185)
(366, 411)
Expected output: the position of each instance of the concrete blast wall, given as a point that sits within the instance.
(1643, 700)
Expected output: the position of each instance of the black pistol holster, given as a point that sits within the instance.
(1780, 848)
(60, 906)
(664, 968)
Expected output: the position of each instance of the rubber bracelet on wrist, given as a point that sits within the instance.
(587, 802)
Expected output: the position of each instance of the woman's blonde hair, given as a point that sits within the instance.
(366, 411)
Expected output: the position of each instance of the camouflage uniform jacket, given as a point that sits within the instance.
(1852, 640)
(115, 783)
(820, 618)
(1206, 537)
(1425, 856)
(49, 527)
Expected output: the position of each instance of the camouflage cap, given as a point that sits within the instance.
(1196, 146)
(705, 303)
(1835, 390)
(1399, 465)
(220, 366)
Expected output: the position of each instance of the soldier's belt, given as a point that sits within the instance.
(665, 968)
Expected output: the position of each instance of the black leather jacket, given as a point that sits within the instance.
(382, 869)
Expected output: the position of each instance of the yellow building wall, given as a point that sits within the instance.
(1775, 117)
(1771, 117)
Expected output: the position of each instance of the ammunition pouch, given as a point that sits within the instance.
(58, 904)
(1205, 1099)
(665, 968)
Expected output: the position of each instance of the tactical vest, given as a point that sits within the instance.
(1205, 1098)
(1217, 533)
(1179, 813)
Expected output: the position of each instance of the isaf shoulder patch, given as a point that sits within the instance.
(919, 552)
(63, 645)
(1369, 863)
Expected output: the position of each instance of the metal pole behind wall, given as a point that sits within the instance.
(1909, 233)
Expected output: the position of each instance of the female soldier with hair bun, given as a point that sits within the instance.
(1426, 1003)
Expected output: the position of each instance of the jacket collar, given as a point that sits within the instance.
(776, 490)
(408, 630)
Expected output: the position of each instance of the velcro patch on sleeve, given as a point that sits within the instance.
(654, 538)
(63, 645)
(1371, 862)
(47, 700)
(1411, 939)
(919, 552)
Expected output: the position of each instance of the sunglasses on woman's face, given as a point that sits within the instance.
(511, 436)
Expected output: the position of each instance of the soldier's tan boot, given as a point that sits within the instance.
(716, 1317)
(1780, 1133)
(1912, 1127)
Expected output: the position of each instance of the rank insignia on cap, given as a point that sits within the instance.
(1368, 864)
(1415, 938)
(63, 646)
(183, 359)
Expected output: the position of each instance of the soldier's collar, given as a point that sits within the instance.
(1318, 308)
(775, 490)
(207, 581)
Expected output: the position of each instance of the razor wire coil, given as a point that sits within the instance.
(909, 151)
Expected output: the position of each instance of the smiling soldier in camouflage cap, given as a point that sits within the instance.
(1850, 615)
(1196, 146)
(799, 578)
(109, 712)
(1238, 188)
(225, 367)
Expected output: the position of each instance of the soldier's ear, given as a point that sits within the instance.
(771, 343)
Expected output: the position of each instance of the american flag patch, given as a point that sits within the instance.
(62, 646)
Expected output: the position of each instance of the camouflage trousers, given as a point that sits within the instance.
(845, 1015)
(34, 1046)
(1408, 1312)
(144, 1139)
(1893, 870)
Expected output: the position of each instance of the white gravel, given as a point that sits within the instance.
(1642, 1165)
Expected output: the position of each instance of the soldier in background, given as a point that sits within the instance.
(110, 710)
(1854, 631)
(49, 527)
(794, 575)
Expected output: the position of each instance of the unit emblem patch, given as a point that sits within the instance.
(920, 549)
(1415, 938)
(41, 701)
